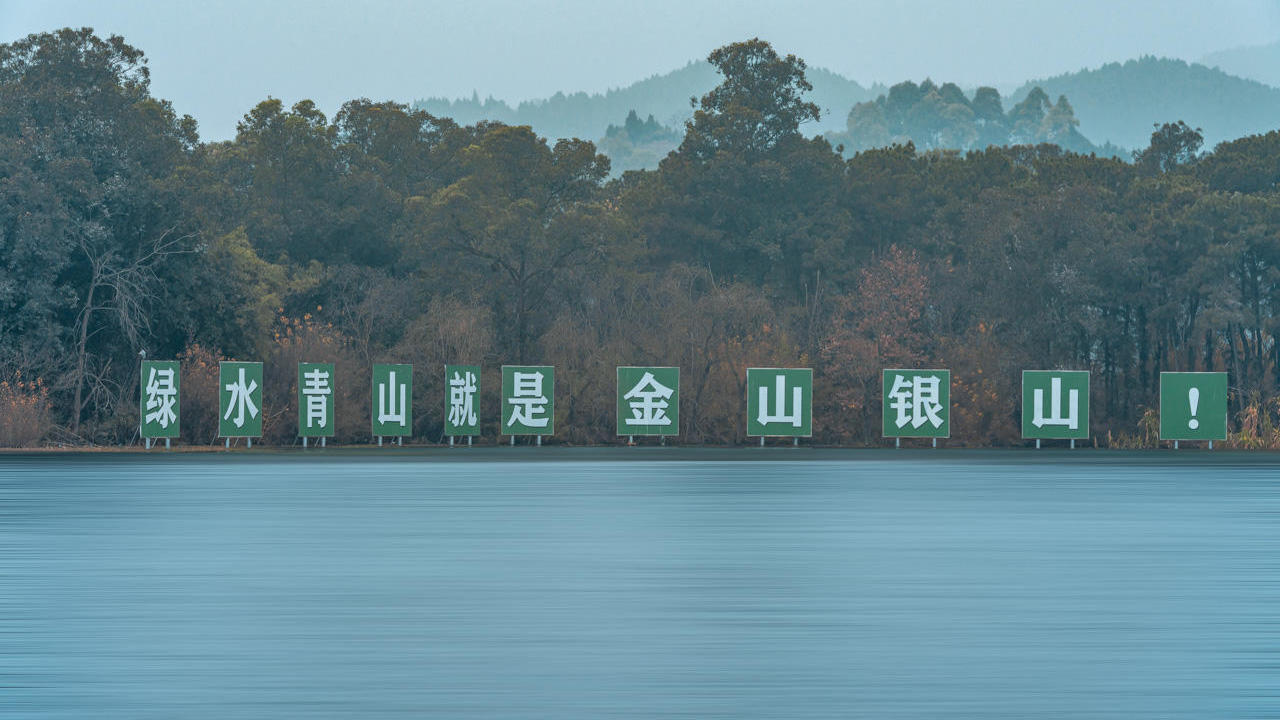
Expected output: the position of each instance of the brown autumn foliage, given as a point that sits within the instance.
(450, 332)
(982, 381)
(199, 404)
(24, 412)
(306, 339)
(881, 324)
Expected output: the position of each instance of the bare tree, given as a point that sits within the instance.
(119, 285)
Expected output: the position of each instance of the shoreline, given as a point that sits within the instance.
(601, 453)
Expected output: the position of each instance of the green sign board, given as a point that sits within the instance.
(1055, 404)
(916, 403)
(315, 400)
(1193, 406)
(462, 400)
(528, 400)
(648, 401)
(779, 402)
(240, 399)
(392, 407)
(159, 402)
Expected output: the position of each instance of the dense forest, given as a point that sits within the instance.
(386, 233)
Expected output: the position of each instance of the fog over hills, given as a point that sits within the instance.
(1255, 62)
(1119, 102)
(1116, 104)
(664, 96)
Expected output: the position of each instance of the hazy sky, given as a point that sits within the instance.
(215, 60)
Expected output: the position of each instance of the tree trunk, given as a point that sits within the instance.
(81, 350)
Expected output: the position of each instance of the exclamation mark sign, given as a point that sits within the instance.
(1193, 397)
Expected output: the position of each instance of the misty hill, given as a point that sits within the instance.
(665, 97)
(1256, 62)
(936, 118)
(638, 144)
(1119, 103)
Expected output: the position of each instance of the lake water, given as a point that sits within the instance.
(547, 583)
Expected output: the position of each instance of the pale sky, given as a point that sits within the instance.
(215, 60)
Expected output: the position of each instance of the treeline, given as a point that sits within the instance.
(665, 96)
(933, 117)
(389, 234)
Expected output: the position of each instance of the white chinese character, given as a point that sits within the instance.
(388, 410)
(462, 391)
(316, 389)
(527, 400)
(161, 397)
(648, 401)
(241, 400)
(1055, 417)
(780, 397)
(917, 401)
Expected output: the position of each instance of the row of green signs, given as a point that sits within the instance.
(917, 403)
(1055, 404)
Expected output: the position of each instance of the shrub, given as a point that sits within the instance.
(24, 412)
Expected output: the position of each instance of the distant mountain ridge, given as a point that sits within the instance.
(1120, 102)
(1255, 62)
(1116, 104)
(664, 96)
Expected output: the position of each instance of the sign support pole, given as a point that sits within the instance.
(539, 440)
(450, 441)
(228, 443)
(468, 441)
(935, 442)
(304, 441)
(1037, 443)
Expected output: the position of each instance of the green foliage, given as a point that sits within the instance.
(759, 104)
(1173, 145)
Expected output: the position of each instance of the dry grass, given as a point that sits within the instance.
(24, 412)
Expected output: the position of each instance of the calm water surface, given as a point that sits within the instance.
(950, 584)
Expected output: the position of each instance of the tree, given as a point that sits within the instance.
(520, 214)
(757, 104)
(92, 155)
(882, 324)
(1173, 145)
(126, 287)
